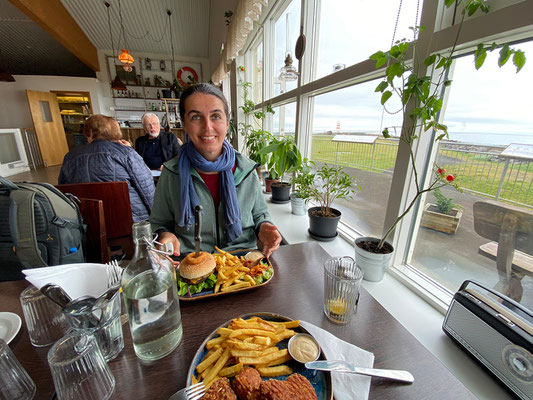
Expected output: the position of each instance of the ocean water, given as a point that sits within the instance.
(492, 138)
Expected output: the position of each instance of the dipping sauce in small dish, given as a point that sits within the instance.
(303, 348)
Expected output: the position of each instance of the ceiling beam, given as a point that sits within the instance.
(53, 17)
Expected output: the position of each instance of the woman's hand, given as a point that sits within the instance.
(168, 237)
(270, 237)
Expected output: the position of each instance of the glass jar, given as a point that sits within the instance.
(151, 299)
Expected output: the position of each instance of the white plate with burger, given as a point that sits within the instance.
(209, 275)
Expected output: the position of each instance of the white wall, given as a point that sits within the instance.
(14, 110)
(218, 30)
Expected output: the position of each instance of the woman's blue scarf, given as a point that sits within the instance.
(190, 157)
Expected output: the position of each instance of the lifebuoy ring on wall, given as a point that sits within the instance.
(191, 72)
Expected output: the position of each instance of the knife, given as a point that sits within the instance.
(343, 366)
(197, 229)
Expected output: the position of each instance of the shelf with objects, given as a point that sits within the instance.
(150, 86)
(75, 107)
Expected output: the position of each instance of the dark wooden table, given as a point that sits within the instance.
(296, 291)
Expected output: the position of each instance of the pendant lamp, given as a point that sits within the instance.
(117, 84)
(125, 57)
(288, 72)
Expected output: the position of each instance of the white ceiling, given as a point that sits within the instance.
(146, 25)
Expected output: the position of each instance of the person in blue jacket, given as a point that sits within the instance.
(108, 158)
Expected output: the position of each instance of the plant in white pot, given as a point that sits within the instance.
(421, 97)
(324, 186)
(302, 182)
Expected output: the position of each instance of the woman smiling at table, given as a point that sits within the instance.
(209, 172)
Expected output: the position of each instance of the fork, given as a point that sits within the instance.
(193, 392)
(114, 273)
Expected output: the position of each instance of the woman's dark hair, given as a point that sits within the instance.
(204, 88)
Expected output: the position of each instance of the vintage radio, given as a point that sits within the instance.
(497, 331)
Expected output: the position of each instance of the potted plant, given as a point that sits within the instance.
(324, 186)
(302, 181)
(283, 157)
(255, 138)
(444, 216)
(421, 98)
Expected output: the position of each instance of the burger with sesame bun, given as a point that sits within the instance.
(196, 273)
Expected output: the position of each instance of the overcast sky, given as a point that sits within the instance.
(491, 100)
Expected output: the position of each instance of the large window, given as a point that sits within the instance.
(348, 32)
(346, 131)
(341, 119)
(487, 111)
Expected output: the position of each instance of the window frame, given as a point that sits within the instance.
(508, 22)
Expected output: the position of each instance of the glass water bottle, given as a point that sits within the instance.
(151, 298)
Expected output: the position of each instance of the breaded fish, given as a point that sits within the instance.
(296, 387)
(220, 390)
(247, 384)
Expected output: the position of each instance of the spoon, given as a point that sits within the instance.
(56, 294)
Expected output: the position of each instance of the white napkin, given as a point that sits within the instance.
(76, 279)
(345, 386)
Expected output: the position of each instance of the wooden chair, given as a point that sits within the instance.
(92, 211)
(117, 209)
(512, 228)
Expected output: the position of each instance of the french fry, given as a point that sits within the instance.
(254, 325)
(277, 361)
(235, 287)
(231, 371)
(262, 340)
(224, 331)
(194, 380)
(263, 359)
(237, 344)
(253, 353)
(275, 371)
(249, 279)
(210, 359)
(218, 366)
(287, 324)
(211, 343)
(286, 334)
(253, 332)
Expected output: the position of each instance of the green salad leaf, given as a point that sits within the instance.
(184, 289)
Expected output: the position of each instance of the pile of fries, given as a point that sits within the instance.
(232, 272)
(246, 342)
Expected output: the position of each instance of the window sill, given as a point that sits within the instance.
(406, 296)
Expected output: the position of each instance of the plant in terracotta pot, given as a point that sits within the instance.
(324, 186)
(421, 96)
(284, 157)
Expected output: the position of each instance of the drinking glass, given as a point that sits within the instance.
(79, 369)
(103, 320)
(15, 383)
(43, 317)
(342, 278)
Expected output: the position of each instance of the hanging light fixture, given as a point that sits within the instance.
(288, 72)
(125, 57)
(117, 84)
(4, 75)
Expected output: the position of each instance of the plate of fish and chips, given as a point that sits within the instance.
(220, 273)
(257, 340)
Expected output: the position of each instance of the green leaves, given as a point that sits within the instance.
(385, 133)
(519, 59)
(382, 86)
(385, 96)
(480, 55)
(505, 53)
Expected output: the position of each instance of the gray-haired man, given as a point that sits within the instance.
(157, 146)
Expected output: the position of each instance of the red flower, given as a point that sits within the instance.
(450, 178)
(441, 171)
(242, 68)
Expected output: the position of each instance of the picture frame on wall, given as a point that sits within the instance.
(129, 78)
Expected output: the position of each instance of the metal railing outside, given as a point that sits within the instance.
(479, 168)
